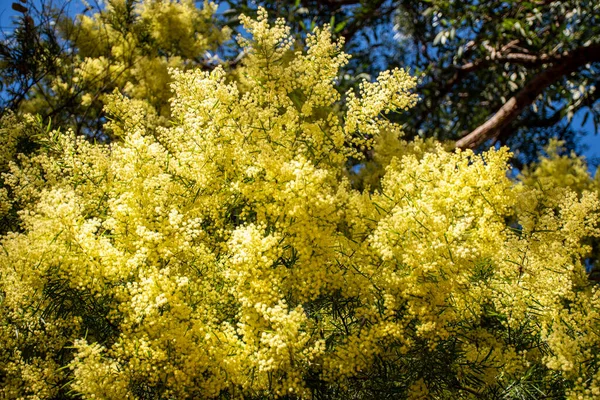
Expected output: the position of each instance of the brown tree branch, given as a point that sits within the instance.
(563, 65)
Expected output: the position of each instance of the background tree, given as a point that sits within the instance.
(61, 65)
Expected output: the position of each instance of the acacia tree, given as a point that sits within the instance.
(227, 255)
(61, 67)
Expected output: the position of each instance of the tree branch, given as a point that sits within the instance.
(564, 64)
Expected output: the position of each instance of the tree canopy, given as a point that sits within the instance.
(275, 231)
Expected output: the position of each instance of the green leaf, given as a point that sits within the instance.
(428, 11)
(508, 23)
(340, 26)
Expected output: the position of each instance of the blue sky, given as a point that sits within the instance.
(591, 141)
(6, 13)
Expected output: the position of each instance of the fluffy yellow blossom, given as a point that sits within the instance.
(228, 255)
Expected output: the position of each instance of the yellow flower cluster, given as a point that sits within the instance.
(130, 46)
(228, 255)
(557, 171)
